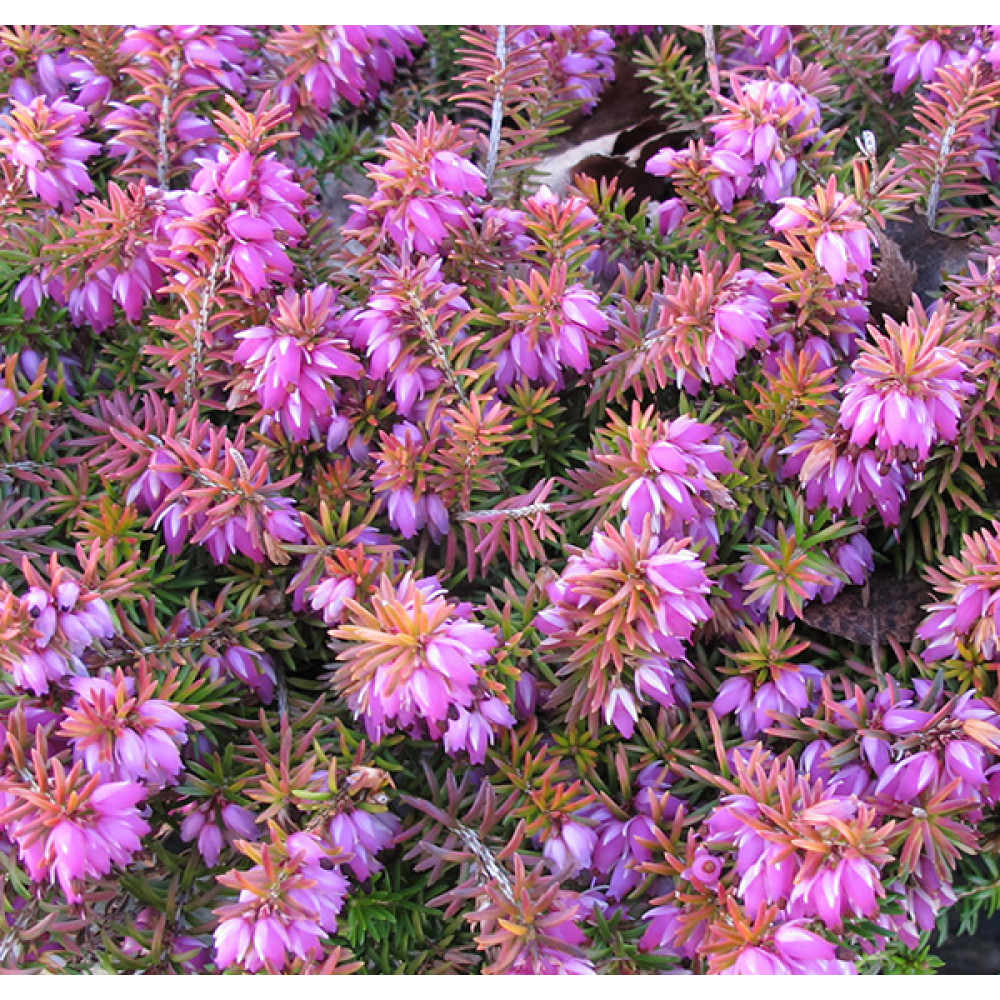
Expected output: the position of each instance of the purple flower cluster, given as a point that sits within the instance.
(839, 476)
(123, 734)
(69, 827)
(253, 204)
(352, 62)
(294, 360)
(907, 389)
(414, 662)
(831, 224)
(918, 52)
(965, 621)
(761, 134)
(287, 905)
(425, 190)
(64, 622)
(216, 823)
(400, 325)
(43, 139)
(663, 470)
(668, 584)
(210, 55)
(580, 59)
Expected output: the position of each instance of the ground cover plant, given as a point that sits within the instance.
(506, 500)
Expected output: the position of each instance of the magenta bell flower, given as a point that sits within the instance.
(288, 903)
(216, 823)
(121, 733)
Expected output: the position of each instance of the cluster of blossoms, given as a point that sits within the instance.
(768, 680)
(917, 52)
(666, 471)
(786, 858)
(409, 312)
(761, 135)
(904, 396)
(294, 360)
(44, 140)
(70, 826)
(907, 389)
(122, 733)
(417, 664)
(554, 320)
(647, 596)
(323, 64)
(252, 205)
(125, 236)
(964, 620)
(829, 223)
(53, 624)
(288, 903)
(425, 189)
(580, 59)
(205, 487)
(707, 321)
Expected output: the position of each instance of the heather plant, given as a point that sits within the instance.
(417, 557)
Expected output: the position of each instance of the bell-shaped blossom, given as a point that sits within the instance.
(121, 732)
(413, 659)
(70, 827)
(43, 139)
(288, 904)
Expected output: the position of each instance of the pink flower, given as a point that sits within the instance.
(295, 360)
(399, 479)
(838, 475)
(44, 140)
(475, 729)
(69, 826)
(252, 667)
(361, 835)
(554, 326)
(830, 224)
(917, 52)
(763, 131)
(907, 388)
(413, 659)
(122, 733)
(321, 64)
(216, 822)
(288, 903)
(393, 328)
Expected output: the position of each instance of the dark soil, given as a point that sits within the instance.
(974, 954)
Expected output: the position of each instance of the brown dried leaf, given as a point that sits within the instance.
(892, 291)
(885, 609)
(622, 103)
(608, 168)
(934, 255)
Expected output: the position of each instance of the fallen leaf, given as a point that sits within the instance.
(892, 290)
(885, 609)
(608, 168)
(934, 255)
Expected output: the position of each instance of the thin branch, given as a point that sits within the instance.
(934, 195)
(496, 117)
(488, 864)
(712, 58)
(163, 127)
(514, 512)
(430, 337)
(201, 327)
